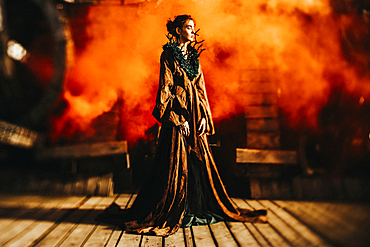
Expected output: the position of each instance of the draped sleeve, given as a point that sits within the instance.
(164, 110)
(203, 103)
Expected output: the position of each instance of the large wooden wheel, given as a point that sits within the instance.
(30, 85)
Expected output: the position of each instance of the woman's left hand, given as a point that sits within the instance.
(185, 129)
(202, 126)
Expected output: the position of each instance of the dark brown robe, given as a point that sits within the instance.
(184, 178)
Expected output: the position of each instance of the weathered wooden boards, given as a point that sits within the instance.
(341, 224)
(83, 150)
(261, 160)
(261, 109)
(50, 221)
(91, 186)
(31, 217)
(70, 221)
(244, 155)
(16, 135)
(79, 155)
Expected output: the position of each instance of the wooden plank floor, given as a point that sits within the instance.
(30, 220)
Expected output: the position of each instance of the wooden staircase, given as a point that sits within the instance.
(262, 160)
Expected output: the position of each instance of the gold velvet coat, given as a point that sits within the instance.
(161, 203)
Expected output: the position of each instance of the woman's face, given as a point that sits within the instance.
(187, 32)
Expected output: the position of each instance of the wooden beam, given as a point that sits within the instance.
(259, 87)
(83, 150)
(263, 125)
(245, 155)
(16, 135)
(261, 112)
(257, 140)
(260, 99)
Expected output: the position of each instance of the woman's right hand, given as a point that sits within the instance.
(185, 129)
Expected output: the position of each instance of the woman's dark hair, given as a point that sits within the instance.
(178, 22)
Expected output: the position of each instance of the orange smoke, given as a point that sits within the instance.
(298, 42)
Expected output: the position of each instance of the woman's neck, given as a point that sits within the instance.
(183, 47)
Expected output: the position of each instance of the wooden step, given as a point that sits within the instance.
(263, 125)
(83, 150)
(260, 99)
(246, 155)
(263, 140)
(269, 111)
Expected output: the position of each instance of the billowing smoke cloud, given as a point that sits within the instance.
(298, 43)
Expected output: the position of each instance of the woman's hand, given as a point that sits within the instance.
(202, 126)
(185, 129)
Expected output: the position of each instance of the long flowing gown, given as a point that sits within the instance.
(184, 187)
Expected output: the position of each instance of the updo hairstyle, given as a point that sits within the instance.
(178, 22)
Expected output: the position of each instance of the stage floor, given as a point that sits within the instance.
(31, 220)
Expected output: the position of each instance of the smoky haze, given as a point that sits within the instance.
(307, 48)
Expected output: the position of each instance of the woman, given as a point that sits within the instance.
(184, 187)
